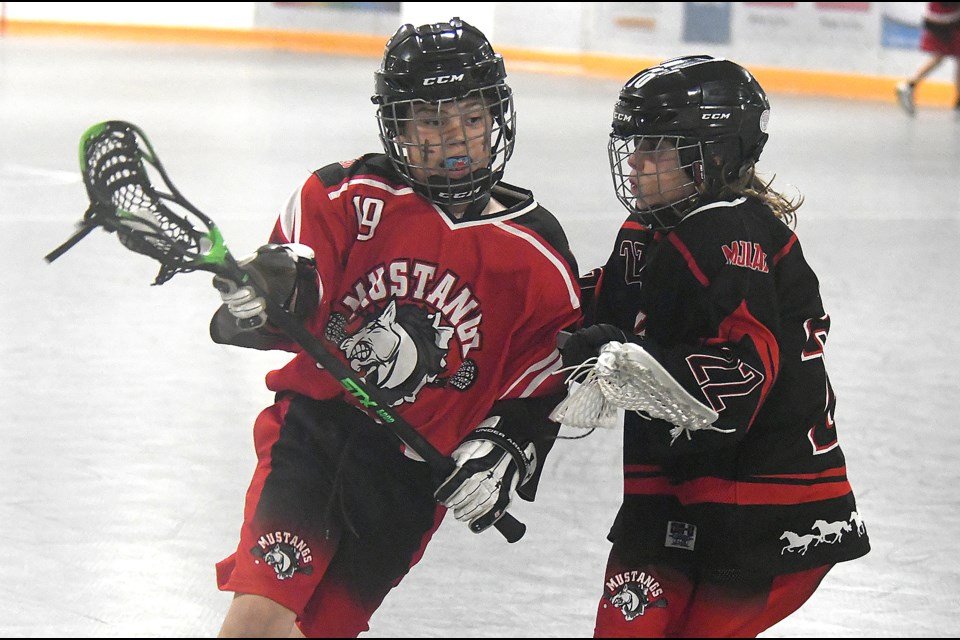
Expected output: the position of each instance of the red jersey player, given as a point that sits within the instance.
(444, 288)
(941, 39)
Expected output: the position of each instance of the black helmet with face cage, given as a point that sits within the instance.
(714, 112)
(442, 64)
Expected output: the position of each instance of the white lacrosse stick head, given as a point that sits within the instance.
(632, 379)
(585, 406)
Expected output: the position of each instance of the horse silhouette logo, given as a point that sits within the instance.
(633, 600)
(822, 532)
(857, 522)
(835, 529)
(284, 559)
(399, 350)
(797, 543)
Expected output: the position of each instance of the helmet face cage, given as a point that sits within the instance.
(677, 182)
(431, 143)
(445, 112)
(715, 111)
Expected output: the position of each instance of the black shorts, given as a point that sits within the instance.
(335, 515)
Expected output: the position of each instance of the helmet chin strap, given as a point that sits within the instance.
(475, 209)
(465, 186)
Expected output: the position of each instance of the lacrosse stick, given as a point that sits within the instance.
(131, 194)
(625, 376)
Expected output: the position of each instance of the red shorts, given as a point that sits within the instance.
(947, 44)
(659, 601)
(335, 516)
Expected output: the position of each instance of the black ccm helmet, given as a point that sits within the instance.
(711, 109)
(436, 65)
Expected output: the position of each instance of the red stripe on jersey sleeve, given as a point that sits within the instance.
(839, 472)
(786, 249)
(742, 323)
(691, 263)
(720, 491)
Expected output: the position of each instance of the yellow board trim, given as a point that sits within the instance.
(774, 80)
(304, 41)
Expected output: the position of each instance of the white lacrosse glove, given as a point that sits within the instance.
(244, 304)
(490, 466)
(285, 272)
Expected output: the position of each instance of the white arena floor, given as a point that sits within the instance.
(126, 433)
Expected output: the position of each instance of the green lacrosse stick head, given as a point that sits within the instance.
(131, 194)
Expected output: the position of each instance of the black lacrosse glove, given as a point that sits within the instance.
(586, 343)
(490, 466)
(285, 272)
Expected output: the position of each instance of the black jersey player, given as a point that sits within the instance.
(443, 287)
(722, 531)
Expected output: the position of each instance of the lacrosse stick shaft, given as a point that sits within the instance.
(370, 399)
(115, 157)
(79, 234)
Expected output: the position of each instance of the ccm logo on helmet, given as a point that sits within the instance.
(715, 116)
(443, 79)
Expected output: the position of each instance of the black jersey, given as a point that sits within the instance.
(728, 305)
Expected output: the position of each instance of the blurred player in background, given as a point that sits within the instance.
(440, 285)
(723, 531)
(941, 38)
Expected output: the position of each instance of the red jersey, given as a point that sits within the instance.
(728, 305)
(444, 316)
